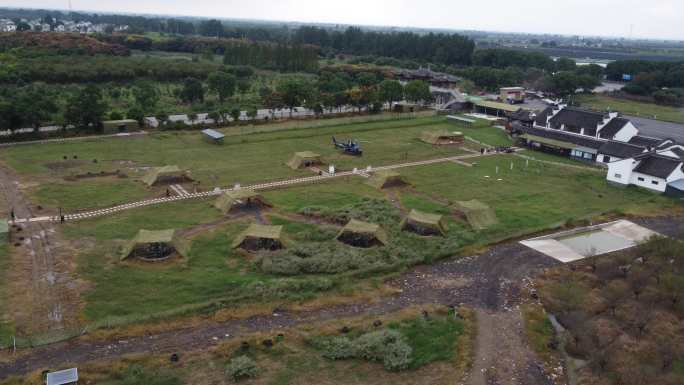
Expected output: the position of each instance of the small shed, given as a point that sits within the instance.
(62, 377)
(4, 230)
(424, 224)
(442, 137)
(124, 125)
(674, 189)
(304, 159)
(213, 136)
(165, 175)
(479, 215)
(383, 179)
(362, 234)
(240, 199)
(154, 245)
(260, 237)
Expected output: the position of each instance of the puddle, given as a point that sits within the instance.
(595, 242)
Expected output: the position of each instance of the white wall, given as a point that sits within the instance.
(620, 171)
(648, 181)
(626, 133)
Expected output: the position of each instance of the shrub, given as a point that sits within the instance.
(338, 348)
(386, 346)
(241, 367)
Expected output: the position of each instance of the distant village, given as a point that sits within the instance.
(56, 25)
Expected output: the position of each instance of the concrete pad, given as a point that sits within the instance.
(554, 249)
(629, 230)
(613, 236)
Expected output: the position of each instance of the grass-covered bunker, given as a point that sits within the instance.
(479, 215)
(166, 175)
(424, 224)
(154, 246)
(243, 199)
(304, 159)
(260, 237)
(383, 179)
(442, 137)
(362, 234)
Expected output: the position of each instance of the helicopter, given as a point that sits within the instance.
(350, 146)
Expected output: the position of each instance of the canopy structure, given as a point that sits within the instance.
(124, 125)
(260, 237)
(424, 223)
(304, 159)
(154, 245)
(213, 136)
(165, 175)
(362, 234)
(442, 137)
(479, 215)
(4, 230)
(385, 179)
(240, 199)
(62, 377)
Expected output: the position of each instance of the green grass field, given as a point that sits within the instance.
(530, 197)
(242, 159)
(628, 107)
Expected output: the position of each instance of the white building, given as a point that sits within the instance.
(654, 170)
(7, 25)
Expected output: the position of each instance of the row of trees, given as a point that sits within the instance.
(664, 81)
(450, 49)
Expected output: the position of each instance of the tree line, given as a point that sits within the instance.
(664, 81)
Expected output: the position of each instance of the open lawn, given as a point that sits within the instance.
(628, 107)
(242, 159)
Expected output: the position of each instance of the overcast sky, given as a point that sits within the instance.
(646, 18)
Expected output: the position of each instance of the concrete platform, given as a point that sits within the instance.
(577, 244)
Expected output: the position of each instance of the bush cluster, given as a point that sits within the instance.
(240, 368)
(386, 346)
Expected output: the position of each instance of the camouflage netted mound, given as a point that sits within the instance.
(240, 199)
(154, 245)
(166, 175)
(260, 237)
(382, 179)
(480, 215)
(424, 223)
(362, 234)
(304, 159)
(4, 230)
(442, 137)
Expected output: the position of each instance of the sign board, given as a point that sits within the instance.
(626, 77)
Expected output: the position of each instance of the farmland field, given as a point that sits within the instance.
(629, 107)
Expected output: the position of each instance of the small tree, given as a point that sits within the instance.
(418, 91)
(235, 114)
(391, 91)
(222, 84)
(192, 91)
(252, 113)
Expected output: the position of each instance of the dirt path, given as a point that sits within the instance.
(43, 294)
(490, 283)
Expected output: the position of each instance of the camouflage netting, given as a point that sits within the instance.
(260, 237)
(442, 137)
(362, 234)
(4, 230)
(480, 215)
(240, 199)
(424, 223)
(382, 179)
(166, 175)
(304, 159)
(154, 245)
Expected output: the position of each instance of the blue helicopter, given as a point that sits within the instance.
(350, 147)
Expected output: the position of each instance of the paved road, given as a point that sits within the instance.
(658, 128)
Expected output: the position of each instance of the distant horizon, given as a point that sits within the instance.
(366, 24)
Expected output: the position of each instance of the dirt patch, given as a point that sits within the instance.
(65, 164)
(91, 175)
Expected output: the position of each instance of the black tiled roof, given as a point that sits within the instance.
(657, 165)
(578, 118)
(613, 127)
(578, 140)
(645, 141)
(522, 115)
(541, 117)
(620, 149)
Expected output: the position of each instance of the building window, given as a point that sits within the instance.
(641, 179)
(618, 176)
(655, 182)
(606, 159)
(588, 156)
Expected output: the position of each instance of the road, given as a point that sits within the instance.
(658, 128)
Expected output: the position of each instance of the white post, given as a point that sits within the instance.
(497, 170)
(511, 166)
